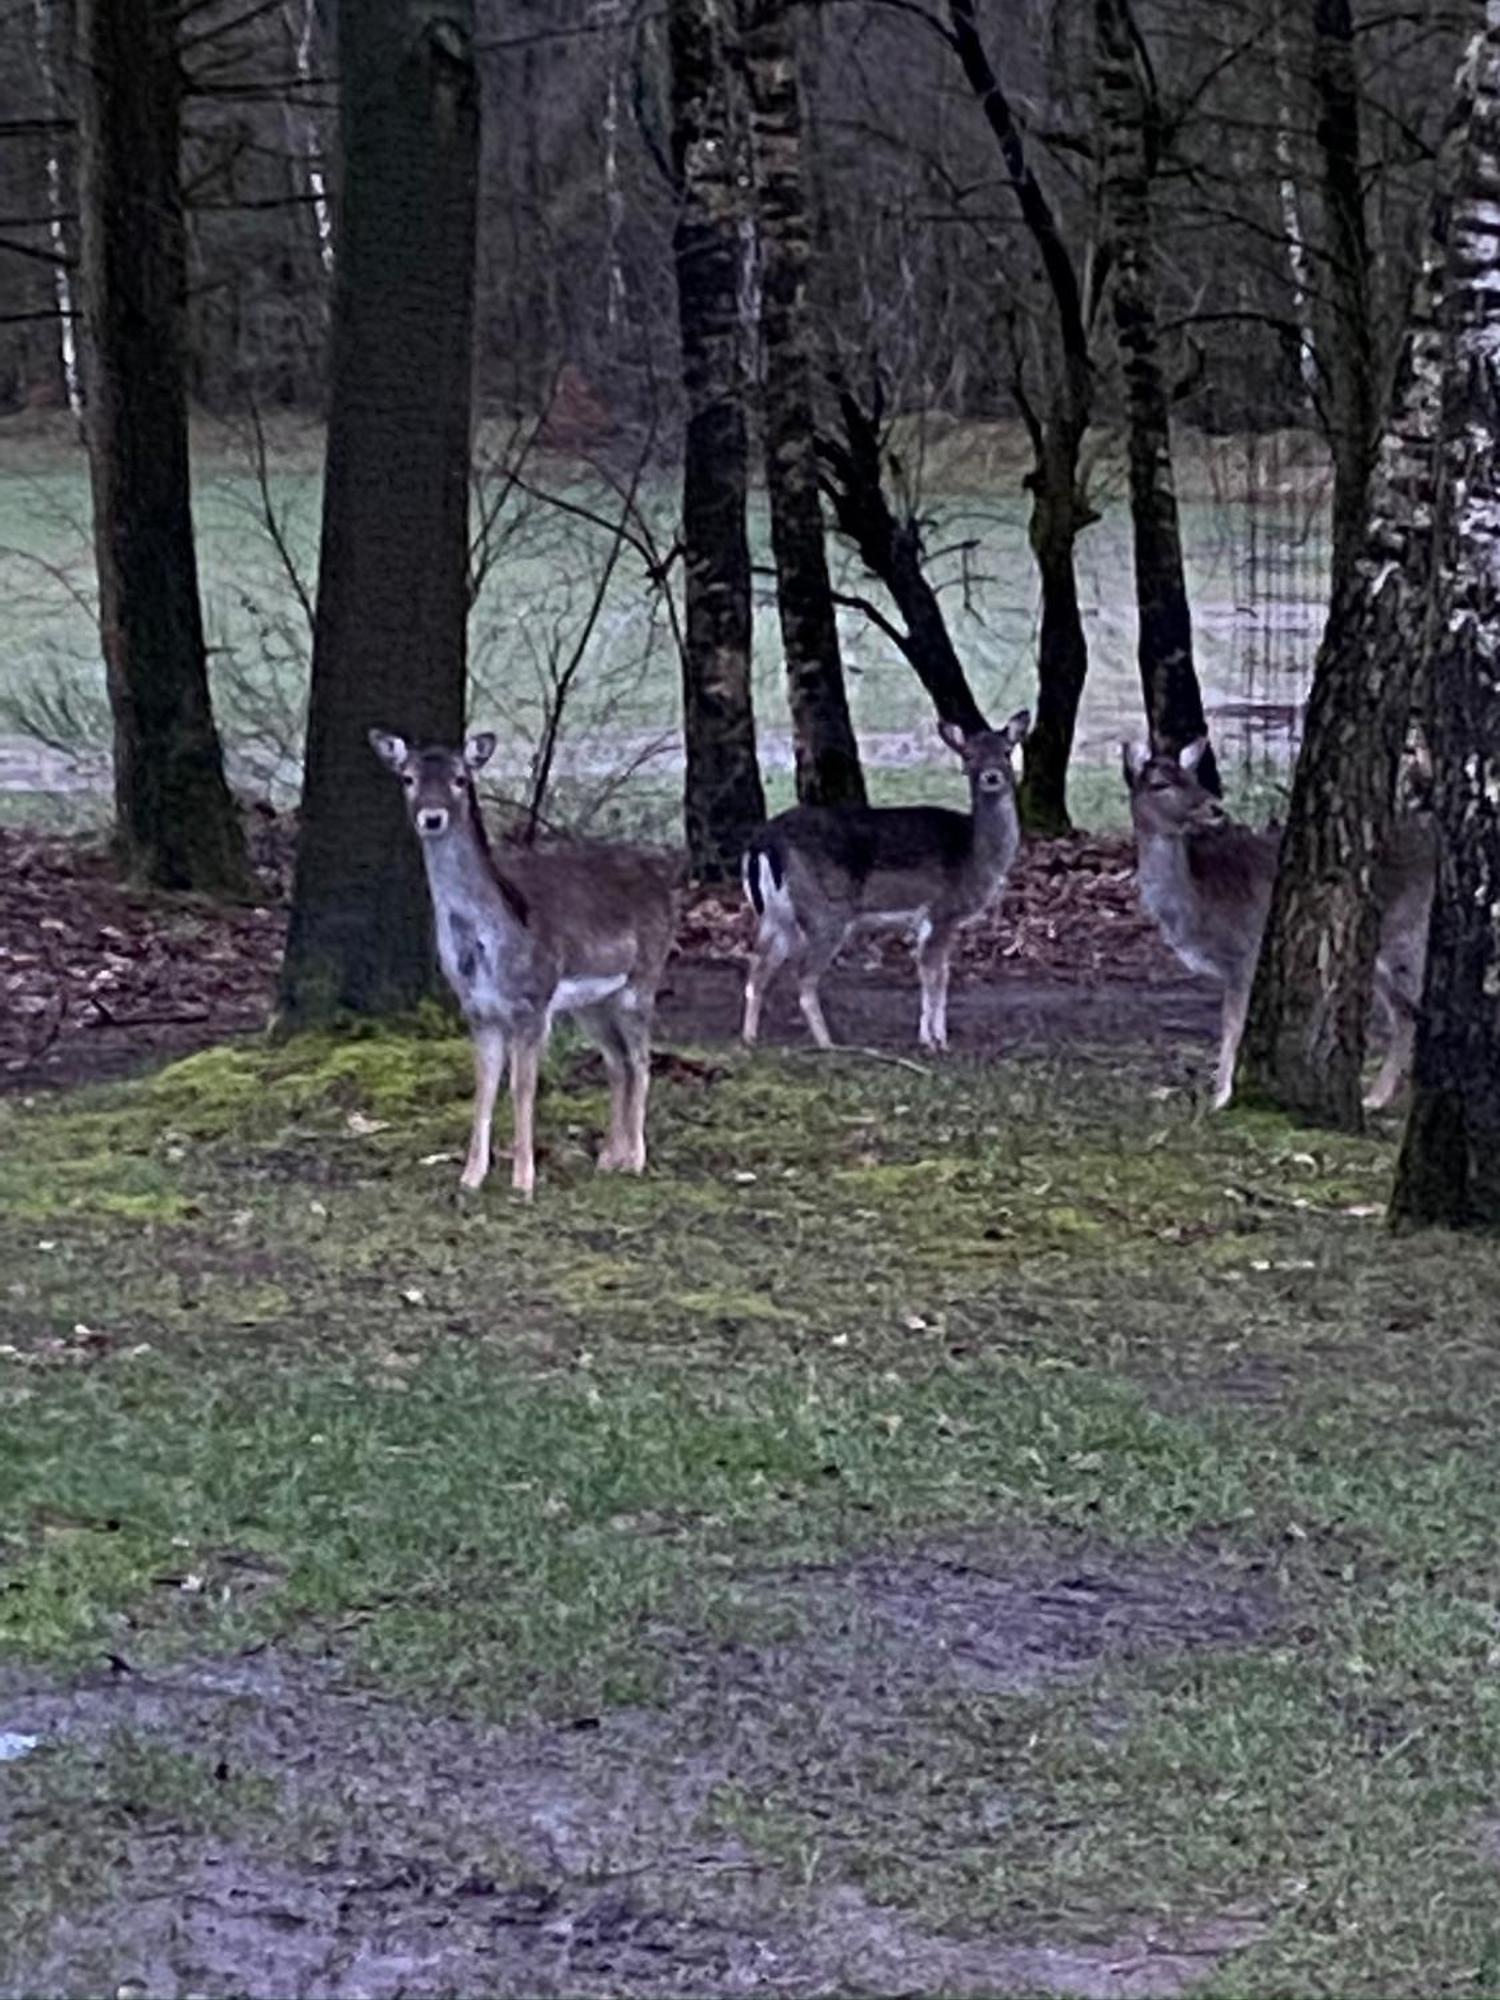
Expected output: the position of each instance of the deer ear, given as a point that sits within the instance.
(953, 736)
(1191, 755)
(1018, 726)
(479, 749)
(391, 750)
(1134, 757)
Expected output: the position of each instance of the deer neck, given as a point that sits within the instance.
(995, 831)
(461, 877)
(1162, 876)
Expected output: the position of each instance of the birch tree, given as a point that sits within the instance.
(1449, 1170)
(1304, 1040)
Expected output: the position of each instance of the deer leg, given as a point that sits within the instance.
(607, 1031)
(1402, 1022)
(525, 1064)
(489, 1060)
(1231, 1027)
(816, 959)
(773, 947)
(637, 1032)
(932, 972)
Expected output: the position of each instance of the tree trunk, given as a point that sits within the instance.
(1060, 510)
(828, 769)
(1449, 1170)
(1349, 344)
(1304, 1041)
(176, 824)
(723, 799)
(1058, 513)
(1169, 683)
(388, 644)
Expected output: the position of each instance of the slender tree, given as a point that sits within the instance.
(1449, 1170)
(828, 769)
(1128, 122)
(1060, 507)
(176, 824)
(723, 799)
(388, 644)
(1304, 1040)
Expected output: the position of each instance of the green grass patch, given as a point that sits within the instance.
(266, 1377)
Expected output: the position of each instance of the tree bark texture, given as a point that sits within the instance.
(828, 768)
(1060, 509)
(1449, 1170)
(891, 549)
(1349, 343)
(1304, 1040)
(176, 823)
(388, 644)
(723, 799)
(1169, 682)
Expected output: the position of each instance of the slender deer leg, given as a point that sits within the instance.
(819, 953)
(604, 1026)
(489, 1060)
(772, 949)
(1397, 1065)
(1232, 1026)
(932, 971)
(638, 1035)
(525, 1062)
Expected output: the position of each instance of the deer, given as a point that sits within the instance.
(817, 874)
(527, 934)
(1207, 879)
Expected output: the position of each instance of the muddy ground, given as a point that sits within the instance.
(415, 1855)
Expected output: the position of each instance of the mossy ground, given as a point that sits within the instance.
(266, 1379)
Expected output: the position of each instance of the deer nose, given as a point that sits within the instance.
(991, 781)
(432, 819)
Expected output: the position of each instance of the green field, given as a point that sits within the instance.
(994, 1513)
(1256, 572)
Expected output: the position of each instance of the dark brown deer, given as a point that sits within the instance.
(816, 874)
(1207, 881)
(526, 934)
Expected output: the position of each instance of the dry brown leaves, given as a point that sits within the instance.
(83, 959)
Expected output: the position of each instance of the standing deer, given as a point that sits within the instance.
(816, 874)
(529, 934)
(1207, 881)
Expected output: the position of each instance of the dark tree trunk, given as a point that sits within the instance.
(1060, 510)
(891, 550)
(1304, 1041)
(723, 799)
(1349, 360)
(1449, 1170)
(388, 648)
(828, 769)
(176, 824)
(1058, 513)
(1169, 683)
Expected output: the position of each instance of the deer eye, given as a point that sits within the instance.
(409, 781)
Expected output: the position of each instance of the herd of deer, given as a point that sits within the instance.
(533, 933)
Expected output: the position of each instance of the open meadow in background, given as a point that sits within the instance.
(1255, 546)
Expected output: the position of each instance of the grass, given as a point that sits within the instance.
(266, 1380)
(50, 675)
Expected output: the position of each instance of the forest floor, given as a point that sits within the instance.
(970, 1527)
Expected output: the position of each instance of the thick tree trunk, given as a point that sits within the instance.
(828, 769)
(723, 800)
(1304, 1040)
(388, 648)
(1349, 343)
(891, 550)
(1449, 1171)
(1169, 682)
(175, 822)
